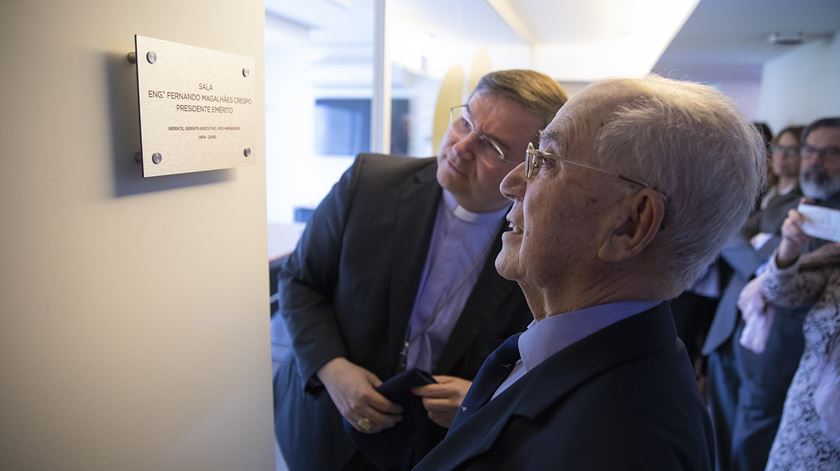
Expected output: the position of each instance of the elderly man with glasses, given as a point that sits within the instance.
(395, 272)
(634, 188)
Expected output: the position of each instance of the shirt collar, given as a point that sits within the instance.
(465, 215)
(553, 333)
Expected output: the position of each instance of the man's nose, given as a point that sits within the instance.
(467, 145)
(815, 160)
(513, 185)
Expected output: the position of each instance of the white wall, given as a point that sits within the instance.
(745, 93)
(133, 312)
(802, 85)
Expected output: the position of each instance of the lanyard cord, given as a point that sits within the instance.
(409, 338)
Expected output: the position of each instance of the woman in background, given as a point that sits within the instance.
(783, 191)
(811, 280)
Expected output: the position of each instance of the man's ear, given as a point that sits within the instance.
(637, 224)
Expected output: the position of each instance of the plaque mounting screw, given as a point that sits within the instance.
(156, 157)
(247, 151)
(151, 57)
(245, 72)
(132, 57)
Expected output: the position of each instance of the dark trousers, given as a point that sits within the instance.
(746, 392)
(764, 381)
(722, 384)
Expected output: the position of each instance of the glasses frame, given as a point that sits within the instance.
(830, 153)
(500, 155)
(534, 158)
(787, 151)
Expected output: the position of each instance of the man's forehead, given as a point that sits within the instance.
(565, 130)
(483, 101)
(577, 118)
(503, 120)
(479, 109)
(825, 133)
(488, 117)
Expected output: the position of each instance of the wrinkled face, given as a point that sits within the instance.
(562, 213)
(820, 174)
(468, 169)
(785, 156)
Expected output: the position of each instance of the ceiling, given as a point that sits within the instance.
(340, 21)
(722, 40)
(727, 39)
(587, 40)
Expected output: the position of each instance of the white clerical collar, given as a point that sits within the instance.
(466, 215)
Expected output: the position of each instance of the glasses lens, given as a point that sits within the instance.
(788, 151)
(490, 147)
(462, 125)
(832, 153)
(529, 160)
(459, 122)
(826, 153)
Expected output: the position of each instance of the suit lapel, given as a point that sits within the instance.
(639, 336)
(416, 211)
(488, 294)
(628, 340)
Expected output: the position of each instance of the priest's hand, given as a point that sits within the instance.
(351, 389)
(443, 399)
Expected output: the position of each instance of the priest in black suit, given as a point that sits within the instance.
(633, 190)
(395, 271)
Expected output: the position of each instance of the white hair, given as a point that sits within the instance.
(691, 143)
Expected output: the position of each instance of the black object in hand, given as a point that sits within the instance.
(388, 448)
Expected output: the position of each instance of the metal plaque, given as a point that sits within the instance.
(197, 109)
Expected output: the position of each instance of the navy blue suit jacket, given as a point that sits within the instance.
(624, 398)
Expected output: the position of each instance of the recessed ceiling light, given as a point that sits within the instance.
(786, 39)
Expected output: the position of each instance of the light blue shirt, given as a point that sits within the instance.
(457, 252)
(548, 336)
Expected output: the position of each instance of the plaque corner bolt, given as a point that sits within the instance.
(151, 57)
(247, 151)
(157, 158)
(132, 57)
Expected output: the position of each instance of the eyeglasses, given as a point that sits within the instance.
(461, 124)
(828, 154)
(791, 151)
(535, 159)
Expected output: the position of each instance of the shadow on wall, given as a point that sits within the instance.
(125, 134)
